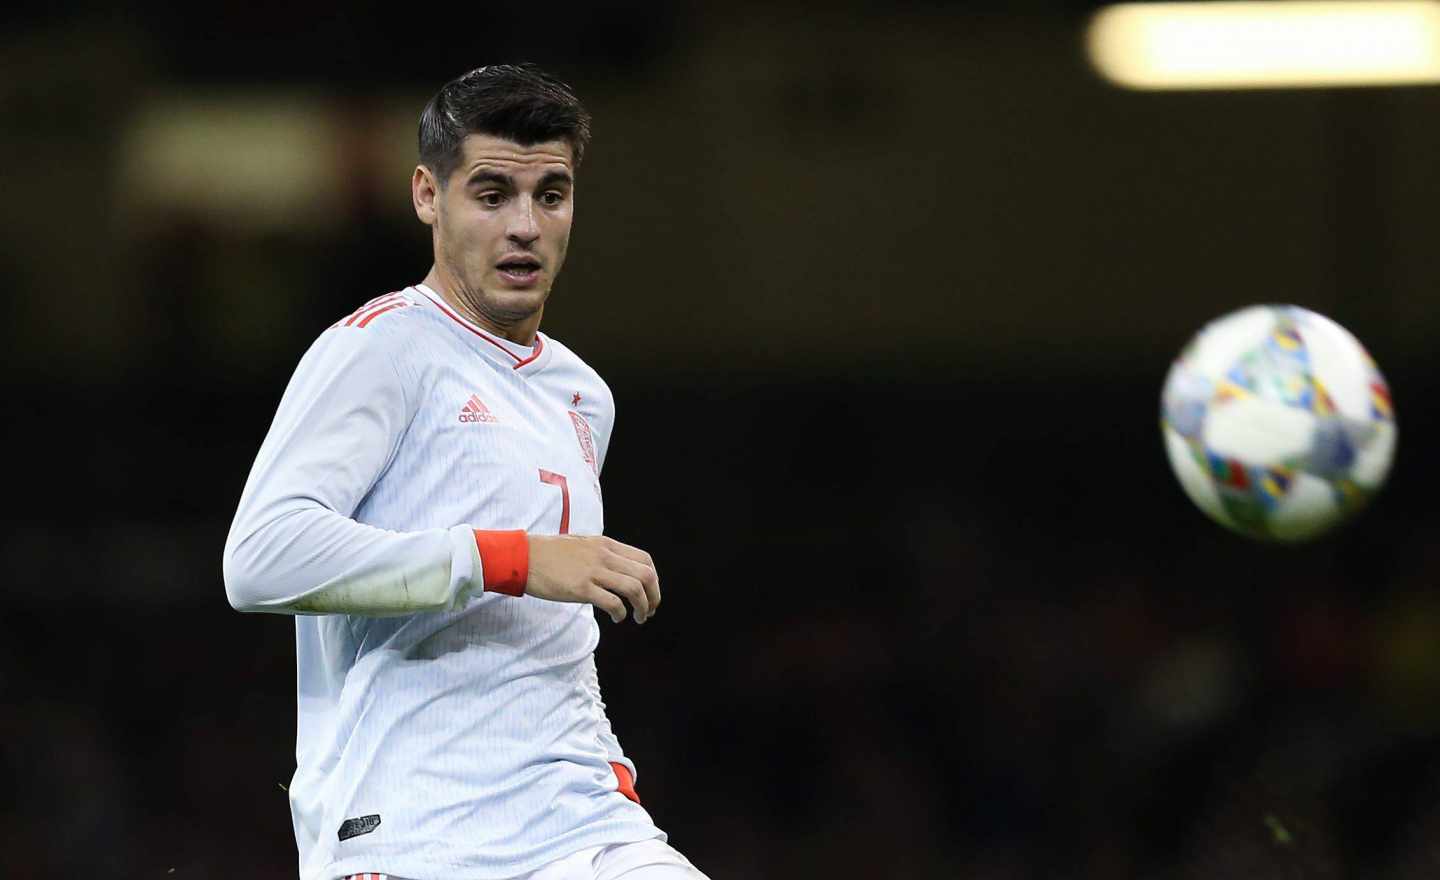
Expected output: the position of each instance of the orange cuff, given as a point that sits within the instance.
(627, 783)
(504, 561)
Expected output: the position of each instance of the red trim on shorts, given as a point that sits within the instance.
(627, 782)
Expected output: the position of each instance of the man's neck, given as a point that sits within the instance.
(522, 332)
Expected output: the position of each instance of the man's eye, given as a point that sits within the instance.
(492, 199)
(552, 198)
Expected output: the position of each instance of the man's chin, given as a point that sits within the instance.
(513, 306)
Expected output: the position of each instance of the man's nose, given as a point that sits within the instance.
(523, 228)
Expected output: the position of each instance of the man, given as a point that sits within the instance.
(427, 503)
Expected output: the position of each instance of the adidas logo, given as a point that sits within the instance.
(475, 411)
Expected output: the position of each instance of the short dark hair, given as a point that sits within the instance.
(518, 102)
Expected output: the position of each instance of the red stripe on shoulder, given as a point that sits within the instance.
(348, 319)
(375, 313)
(373, 309)
(372, 306)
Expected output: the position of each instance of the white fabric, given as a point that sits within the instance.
(642, 860)
(469, 722)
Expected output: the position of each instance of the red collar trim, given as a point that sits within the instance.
(539, 340)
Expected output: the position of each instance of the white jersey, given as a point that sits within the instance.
(444, 732)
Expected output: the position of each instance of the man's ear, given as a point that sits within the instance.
(423, 192)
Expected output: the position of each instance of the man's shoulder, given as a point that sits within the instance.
(565, 359)
(592, 397)
(392, 323)
(385, 314)
(390, 330)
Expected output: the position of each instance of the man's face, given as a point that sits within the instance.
(502, 224)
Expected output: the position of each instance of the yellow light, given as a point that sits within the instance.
(1284, 44)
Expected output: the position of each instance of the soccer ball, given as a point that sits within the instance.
(1277, 422)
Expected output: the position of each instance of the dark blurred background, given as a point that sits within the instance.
(886, 294)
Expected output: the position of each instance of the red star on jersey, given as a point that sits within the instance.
(575, 401)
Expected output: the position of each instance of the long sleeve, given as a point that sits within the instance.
(608, 741)
(293, 547)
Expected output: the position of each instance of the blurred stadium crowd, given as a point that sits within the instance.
(934, 606)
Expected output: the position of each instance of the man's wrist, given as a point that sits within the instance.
(504, 560)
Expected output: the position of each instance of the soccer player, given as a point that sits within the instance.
(427, 503)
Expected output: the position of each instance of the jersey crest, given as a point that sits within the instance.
(587, 441)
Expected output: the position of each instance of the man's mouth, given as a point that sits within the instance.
(519, 271)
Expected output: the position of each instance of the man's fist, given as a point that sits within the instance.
(595, 570)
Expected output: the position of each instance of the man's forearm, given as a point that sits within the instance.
(311, 560)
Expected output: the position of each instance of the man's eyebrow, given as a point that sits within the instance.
(484, 176)
(553, 178)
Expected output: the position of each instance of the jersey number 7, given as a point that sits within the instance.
(559, 480)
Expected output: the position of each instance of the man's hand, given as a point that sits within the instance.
(595, 570)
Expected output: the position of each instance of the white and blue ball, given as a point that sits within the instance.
(1277, 422)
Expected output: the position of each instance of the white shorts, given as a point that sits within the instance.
(642, 860)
